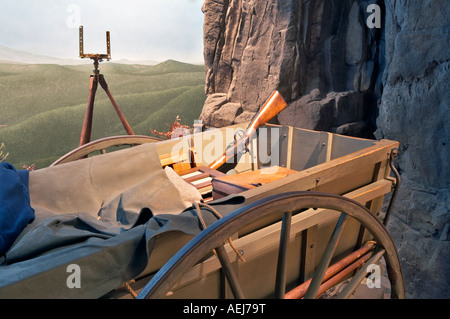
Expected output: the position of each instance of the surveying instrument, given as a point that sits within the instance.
(95, 79)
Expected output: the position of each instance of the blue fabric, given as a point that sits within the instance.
(15, 210)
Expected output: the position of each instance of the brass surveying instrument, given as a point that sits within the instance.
(96, 78)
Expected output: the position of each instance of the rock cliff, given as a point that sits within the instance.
(318, 54)
(340, 74)
(414, 110)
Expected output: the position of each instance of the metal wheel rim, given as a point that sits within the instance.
(103, 143)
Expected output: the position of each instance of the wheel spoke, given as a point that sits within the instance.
(280, 283)
(229, 272)
(326, 258)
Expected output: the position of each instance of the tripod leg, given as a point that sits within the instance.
(87, 124)
(116, 107)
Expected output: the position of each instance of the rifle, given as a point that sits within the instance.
(274, 105)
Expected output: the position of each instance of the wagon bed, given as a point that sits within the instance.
(320, 163)
(287, 235)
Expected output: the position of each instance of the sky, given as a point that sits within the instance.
(140, 29)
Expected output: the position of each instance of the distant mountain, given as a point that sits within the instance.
(18, 56)
(142, 62)
(10, 55)
(172, 66)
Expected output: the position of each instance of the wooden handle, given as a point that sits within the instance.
(274, 105)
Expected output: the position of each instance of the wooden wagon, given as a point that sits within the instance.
(309, 222)
(292, 213)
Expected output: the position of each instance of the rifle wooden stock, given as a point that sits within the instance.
(274, 105)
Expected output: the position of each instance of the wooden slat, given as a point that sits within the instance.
(179, 167)
(289, 147)
(329, 146)
(201, 178)
(196, 177)
(203, 185)
(188, 171)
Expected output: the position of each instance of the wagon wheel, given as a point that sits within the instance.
(102, 144)
(214, 237)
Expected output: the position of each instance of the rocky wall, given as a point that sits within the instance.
(414, 110)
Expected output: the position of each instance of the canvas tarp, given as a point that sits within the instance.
(107, 215)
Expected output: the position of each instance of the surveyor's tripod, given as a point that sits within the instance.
(96, 78)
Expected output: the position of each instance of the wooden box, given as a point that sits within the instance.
(233, 184)
(200, 177)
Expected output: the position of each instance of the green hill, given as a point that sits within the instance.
(42, 106)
